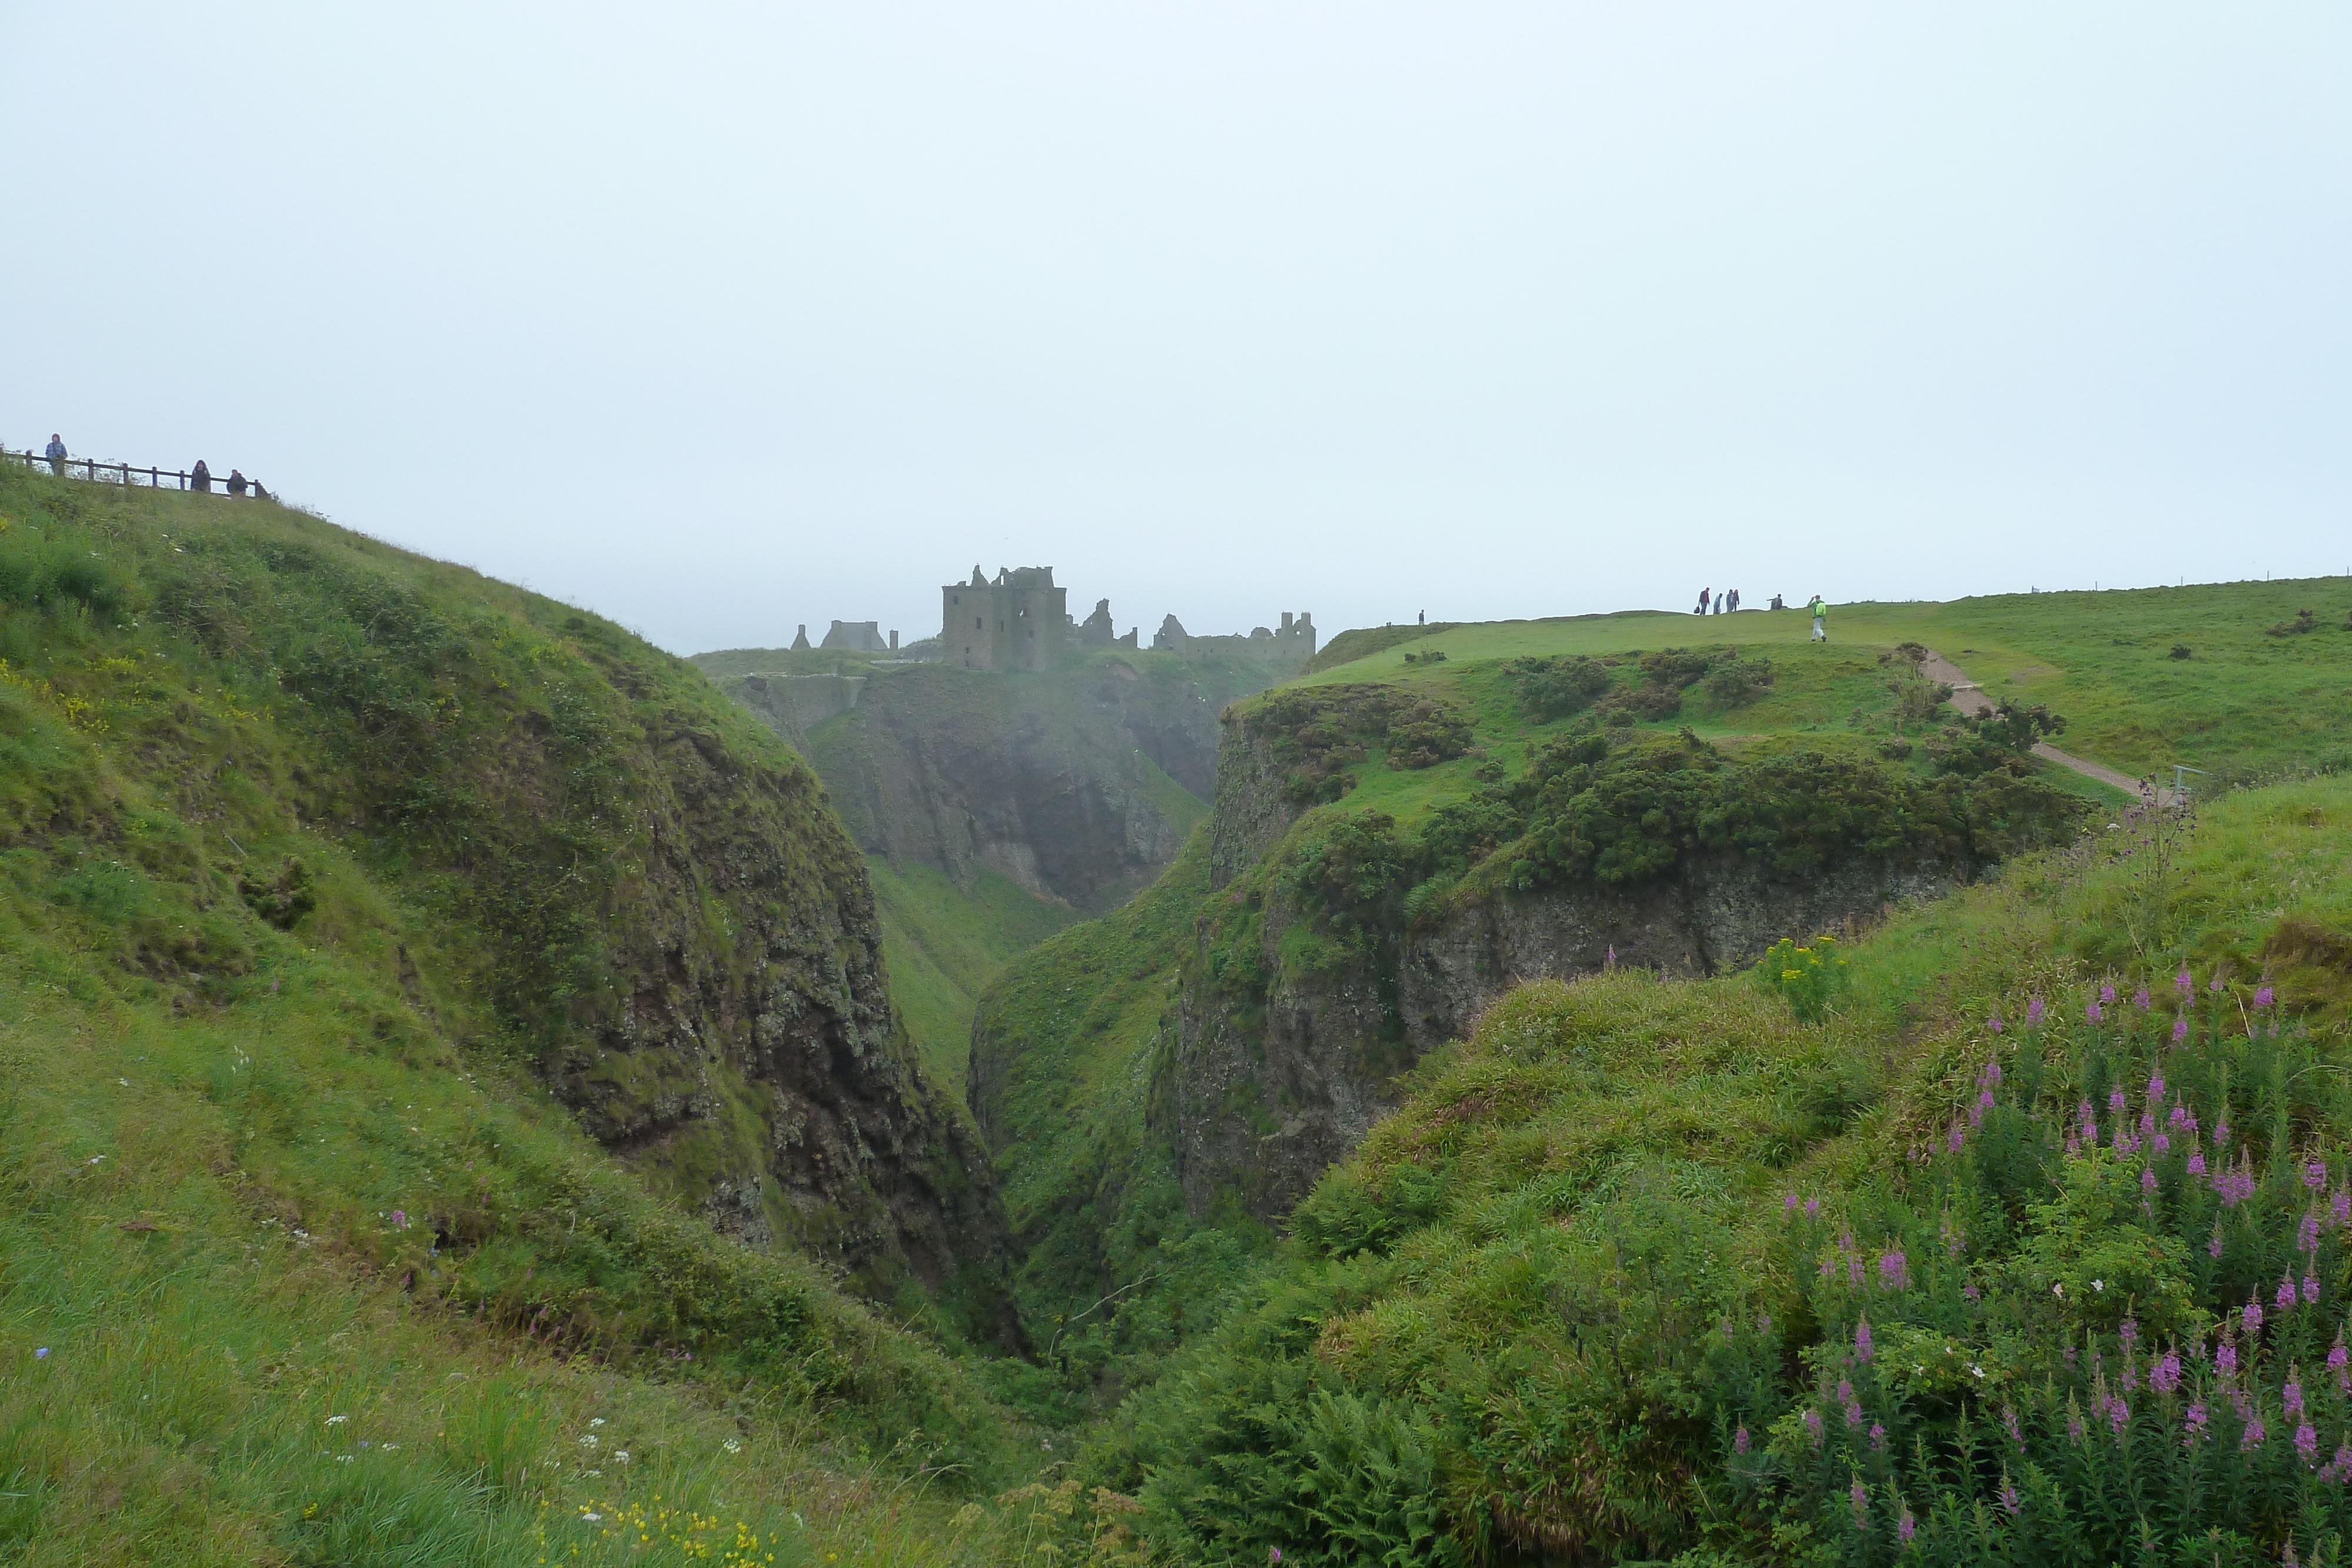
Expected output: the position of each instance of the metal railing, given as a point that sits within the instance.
(131, 474)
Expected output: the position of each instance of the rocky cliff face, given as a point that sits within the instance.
(1077, 783)
(609, 868)
(1289, 1039)
(749, 1059)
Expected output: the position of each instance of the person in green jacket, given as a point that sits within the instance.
(1819, 610)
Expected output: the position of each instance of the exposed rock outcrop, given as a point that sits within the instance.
(1268, 1087)
(1288, 1037)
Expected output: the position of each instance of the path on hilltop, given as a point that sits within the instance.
(1969, 698)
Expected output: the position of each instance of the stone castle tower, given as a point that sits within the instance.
(1020, 621)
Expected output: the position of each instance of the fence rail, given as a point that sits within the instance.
(130, 474)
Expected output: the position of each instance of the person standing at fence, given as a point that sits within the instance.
(202, 478)
(56, 455)
(236, 483)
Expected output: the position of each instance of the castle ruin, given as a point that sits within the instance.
(1018, 620)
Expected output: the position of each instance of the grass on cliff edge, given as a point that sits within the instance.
(298, 1263)
(2241, 703)
(1494, 1328)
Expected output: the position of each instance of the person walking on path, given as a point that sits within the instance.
(202, 477)
(1703, 594)
(1819, 610)
(56, 455)
(1735, 599)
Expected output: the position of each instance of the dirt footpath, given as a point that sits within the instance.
(1969, 698)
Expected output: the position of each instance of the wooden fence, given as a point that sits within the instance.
(127, 474)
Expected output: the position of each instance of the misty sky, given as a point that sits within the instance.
(721, 319)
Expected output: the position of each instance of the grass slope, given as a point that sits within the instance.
(945, 944)
(298, 1261)
(1568, 1302)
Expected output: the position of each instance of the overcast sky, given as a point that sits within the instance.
(721, 319)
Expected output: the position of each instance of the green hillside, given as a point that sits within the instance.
(338, 889)
(2025, 1252)
(2252, 686)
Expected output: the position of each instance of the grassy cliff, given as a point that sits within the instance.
(402, 1164)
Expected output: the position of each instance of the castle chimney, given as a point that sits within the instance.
(893, 641)
(1286, 622)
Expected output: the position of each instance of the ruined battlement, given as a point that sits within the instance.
(1020, 619)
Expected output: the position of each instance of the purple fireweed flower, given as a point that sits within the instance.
(2264, 995)
(2315, 1176)
(1860, 1496)
(2221, 1131)
(1862, 1347)
(2306, 1235)
(2225, 1357)
(2154, 1090)
(2342, 1465)
(1993, 1023)
(1845, 1390)
(2073, 1146)
(2254, 1434)
(1814, 1426)
(2183, 983)
(2117, 1103)
(2165, 1375)
(1763, 1323)
(2128, 1332)
(399, 1217)
(1739, 1440)
(1791, 1205)
(2286, 1297)
(2034, 1011)
(1894, 1271)
(1971, 1292)
(2009, 1498)
(2091, 1013)
(2009, 1420)
(2179, 1031)
(2213, 1248)
(2339, 1208)
(1991, 1076)
(2306, 1442)
(2139, 999)
(2194, 1422)
(2339, 1362)
(1906, 1527)
(2162, 1142)
(2106, 993)
(2178, 1121)
(1879, 1435)
(2290, 1396)
(2196, 1162)
(1812, 1208)
(2148, 1179)
(2310, 1291)
(1957, 1139)
(2252, 1315)
(1854, 1413)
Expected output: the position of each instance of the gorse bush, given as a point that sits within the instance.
(1554, 688)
